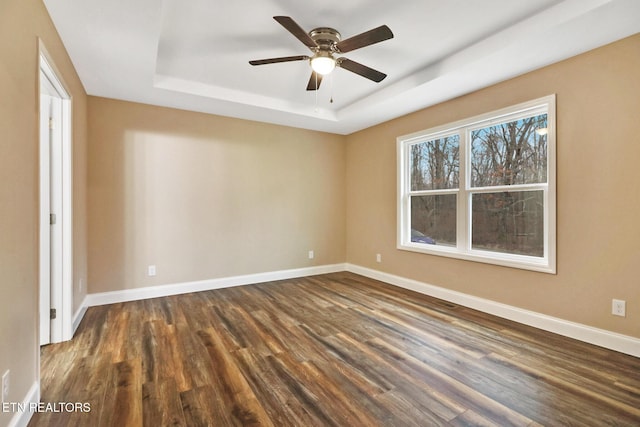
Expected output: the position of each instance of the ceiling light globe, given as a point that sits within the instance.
(323, 64)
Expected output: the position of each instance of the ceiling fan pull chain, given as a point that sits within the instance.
(331, 88)
(316, 92)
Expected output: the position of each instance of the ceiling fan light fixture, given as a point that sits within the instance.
(323, 63)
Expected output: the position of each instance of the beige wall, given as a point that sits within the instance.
(21, 23)
(598, 149)
(203, 197)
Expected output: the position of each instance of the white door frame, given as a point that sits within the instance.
(61, 184)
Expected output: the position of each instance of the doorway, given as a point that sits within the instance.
(56, 234)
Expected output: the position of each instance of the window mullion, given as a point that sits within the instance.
(463, 231)
(432, 192)
(509, 188)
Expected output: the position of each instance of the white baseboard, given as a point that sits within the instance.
(22, 418)
(79, 315)
(204, 285)
(603, 338)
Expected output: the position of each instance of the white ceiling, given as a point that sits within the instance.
(194, 54)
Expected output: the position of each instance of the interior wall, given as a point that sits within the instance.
(203, 197)
(21, 23)
(598, 105)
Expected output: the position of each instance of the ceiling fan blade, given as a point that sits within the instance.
(361, 70)
(296, 30)
(314, 81)
(276, 60)
(367, 38)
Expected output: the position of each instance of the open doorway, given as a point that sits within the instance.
(56, 234)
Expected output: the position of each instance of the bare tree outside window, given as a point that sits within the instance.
(509, 222)
(509, 154)
(435, 217)
(435, 165)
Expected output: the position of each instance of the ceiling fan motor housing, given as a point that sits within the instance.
(326, 38)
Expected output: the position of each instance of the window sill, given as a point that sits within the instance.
(523, 262)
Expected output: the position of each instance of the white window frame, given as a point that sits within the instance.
(463, 249)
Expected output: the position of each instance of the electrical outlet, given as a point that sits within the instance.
(378, 258)
(618, 307)
(5, 387)
(311, 254)
(151, 271)
(80, 285)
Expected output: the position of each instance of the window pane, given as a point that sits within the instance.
(510, 222)
(433, 219)
(435, 164)
(510, 153)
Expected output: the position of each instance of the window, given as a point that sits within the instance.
(482, 189)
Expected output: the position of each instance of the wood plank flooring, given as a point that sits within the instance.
(331, 350)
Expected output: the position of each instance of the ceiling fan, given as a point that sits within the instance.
(326, 43)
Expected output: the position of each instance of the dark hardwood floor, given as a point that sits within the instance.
(331, 350)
